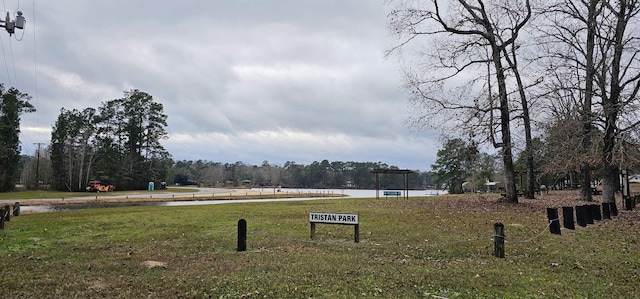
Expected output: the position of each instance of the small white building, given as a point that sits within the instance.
(634, 178)
(491, 186)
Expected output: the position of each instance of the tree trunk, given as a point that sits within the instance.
(611, 108)
(526, 119)
(610, 175)
(609, 183)
(585, 168)
(81, 168)
(585, 182)
(507, 157)
(531, 177)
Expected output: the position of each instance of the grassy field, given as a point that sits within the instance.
(427, 247)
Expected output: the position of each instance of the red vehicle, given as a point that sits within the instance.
(96, 186)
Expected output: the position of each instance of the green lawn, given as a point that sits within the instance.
(428, 247)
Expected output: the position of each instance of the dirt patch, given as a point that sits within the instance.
(153, 264)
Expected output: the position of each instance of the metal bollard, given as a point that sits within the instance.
(498, 240)
(242, 235)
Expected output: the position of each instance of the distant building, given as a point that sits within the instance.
(491, 186)
(350, 184)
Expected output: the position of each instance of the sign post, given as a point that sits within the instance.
(335, 218)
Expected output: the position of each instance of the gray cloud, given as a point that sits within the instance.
(240, 80)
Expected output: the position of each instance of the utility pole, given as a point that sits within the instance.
(10, 25)
(38, 166)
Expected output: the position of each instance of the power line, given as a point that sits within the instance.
(38, 166)
(6, 66)
(35, 67)
(13, 61)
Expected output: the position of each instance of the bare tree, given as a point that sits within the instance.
(467, 36)
(619, 82)
(591, 37)
(569, 35)
(512, 60)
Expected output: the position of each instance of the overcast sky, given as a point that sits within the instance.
(276, 80)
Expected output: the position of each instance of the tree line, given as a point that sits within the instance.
(317, 175)
(323, 174)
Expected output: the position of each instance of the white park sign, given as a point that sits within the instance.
(335, 218)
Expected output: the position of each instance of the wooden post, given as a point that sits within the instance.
(588, 213)
(356, 233)
(377, 185)
(498, 240)
(567, 218)
(581, 216)
(595, 212)
(606, 210)
(614, 208)
(313, 230)
(626, 191)
(554, 220)
(242, 235)
(16, 209)
(1, 218)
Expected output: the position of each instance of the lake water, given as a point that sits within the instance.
(352, 193)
